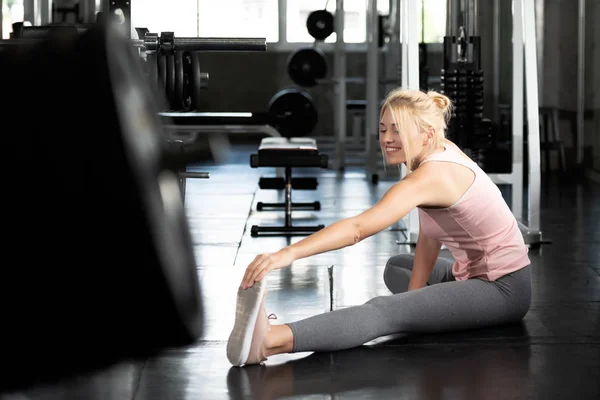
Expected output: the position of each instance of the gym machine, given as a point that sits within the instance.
(403, 59)
(307, 67)
(402, 66)
(524, 46)
(462, 82)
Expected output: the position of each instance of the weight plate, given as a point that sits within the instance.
(162, 71)
(195, 80)
(171, 82)
(292, 112)
(179, 81)
(306, 66)
(186, 96)
(151, 64)
(320, 24)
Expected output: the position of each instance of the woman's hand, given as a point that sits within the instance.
(265, 263)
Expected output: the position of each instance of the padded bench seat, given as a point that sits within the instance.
(288, 152)
(299, 152)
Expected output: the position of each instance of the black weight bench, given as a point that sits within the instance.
(288, 153)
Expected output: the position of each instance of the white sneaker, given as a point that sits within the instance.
(247, 338)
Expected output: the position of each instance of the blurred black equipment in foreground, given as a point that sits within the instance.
(98, 264)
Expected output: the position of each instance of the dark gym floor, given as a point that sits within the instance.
(553, 354)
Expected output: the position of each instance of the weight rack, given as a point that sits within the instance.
(171, 64)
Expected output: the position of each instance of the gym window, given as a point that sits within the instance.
(355, 19)
(282, 22)
(12, 11)
(239, 18)
(433, 21)
(178, 16)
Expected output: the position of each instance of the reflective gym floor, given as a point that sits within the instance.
(553, 354)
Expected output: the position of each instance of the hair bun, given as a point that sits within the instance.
(443, 102)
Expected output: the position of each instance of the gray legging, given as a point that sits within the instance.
(444, 305)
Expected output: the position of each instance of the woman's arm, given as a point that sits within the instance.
(426, 254)
(415, 189)
(393, 206)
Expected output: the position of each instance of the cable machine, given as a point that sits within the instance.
(462, 80)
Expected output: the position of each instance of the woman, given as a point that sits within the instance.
(458, 205)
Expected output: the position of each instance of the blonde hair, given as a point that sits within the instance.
(415, 111)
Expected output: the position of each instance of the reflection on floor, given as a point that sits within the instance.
(553, 354)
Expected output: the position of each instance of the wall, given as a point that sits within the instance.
(560, 54)
(592, 94)
(561, 72)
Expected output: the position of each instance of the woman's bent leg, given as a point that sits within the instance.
(444, 307)
(398, 271)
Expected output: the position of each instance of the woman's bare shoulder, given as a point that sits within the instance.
(429, 172)
(449, 143)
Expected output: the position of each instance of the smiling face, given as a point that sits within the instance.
(401, 139)
(392, 144)
(412, 126)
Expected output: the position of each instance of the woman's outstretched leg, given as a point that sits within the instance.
(444, 307)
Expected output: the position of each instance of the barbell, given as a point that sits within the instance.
(171, 63)
(168, 42)
(165, 42)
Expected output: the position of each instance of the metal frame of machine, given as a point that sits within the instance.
(403, 46)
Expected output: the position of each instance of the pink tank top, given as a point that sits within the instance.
(479, 230)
